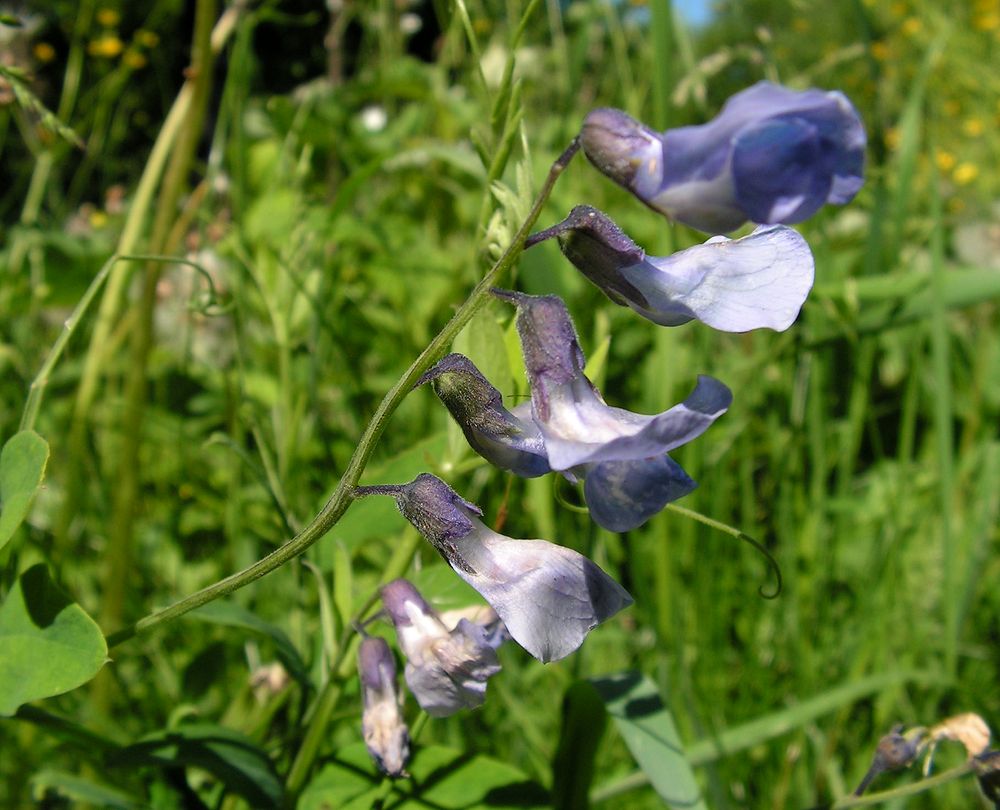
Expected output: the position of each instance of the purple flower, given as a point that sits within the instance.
(621, 495)
(446, 667)
(577, 426)
(382, 723)
(772, 155)
(548, 597)
(758, 281)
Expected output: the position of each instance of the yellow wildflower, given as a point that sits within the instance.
(134, 59)
(106, 47)
(892, 137)
(881, 50)
(108, 17)
(44, 52)
(98, 219)
(973, 127)
(965, 173)
(986, 22)
(912, 26)
(945, 160)
(146, 38)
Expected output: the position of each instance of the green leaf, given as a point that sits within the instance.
(229, 756)
(442, 778)
(583, 722)
(81, 791)
(22, 467)
(647, 728)
(50, 645)
(231, 614)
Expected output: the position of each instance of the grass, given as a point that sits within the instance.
(861, 449)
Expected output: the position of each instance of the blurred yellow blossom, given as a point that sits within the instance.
(945, 160)
(911, 26)
(986, 22)
(965, 173)
(148, 39)
(106, 47)
(892, 137)
(898, 9)
(134, 59)
(801, 25)
(108, 17)
(951, 107)
(881, 50)
(98, 219)
(973, 127)
(44, 52)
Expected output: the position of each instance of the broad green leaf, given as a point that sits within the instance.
(647, 728)
(22, 467)
(233, 759)
(81, 791)
(232, 615)
(583, 722)
(442, 778)
(50, 645)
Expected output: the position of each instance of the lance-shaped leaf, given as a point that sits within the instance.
(548, 597)
(576, 424)
(771, 155)
(734, 285)
(446, 668)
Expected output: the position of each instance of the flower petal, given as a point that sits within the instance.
(583, 430)
(771, 155)
(622, 495)
(549, 597)
(734, 285)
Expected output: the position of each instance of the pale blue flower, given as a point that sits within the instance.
(733, 285)
(771, 155)
(548, 597)
(446, 667)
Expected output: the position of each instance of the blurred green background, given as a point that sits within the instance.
(354, 171)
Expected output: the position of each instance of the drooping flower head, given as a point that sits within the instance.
(446, 668)
(577, 426)
(509, 440)
(548, 597)
(382, 724)
(621, 495)
(771, 155)
(758, 281)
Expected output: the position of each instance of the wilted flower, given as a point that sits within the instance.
(758, 281)
(382, 724)
(549, 597)
(446, 669)
(576, 424)
(621, 495)
(771, 155)
(895, 751)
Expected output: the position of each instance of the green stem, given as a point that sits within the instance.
(119, 551)
(912, 789)
(343, 494)
(739, 535)
(111, 301)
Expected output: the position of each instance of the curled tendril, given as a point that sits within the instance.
(771, 562)
(557, 484)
